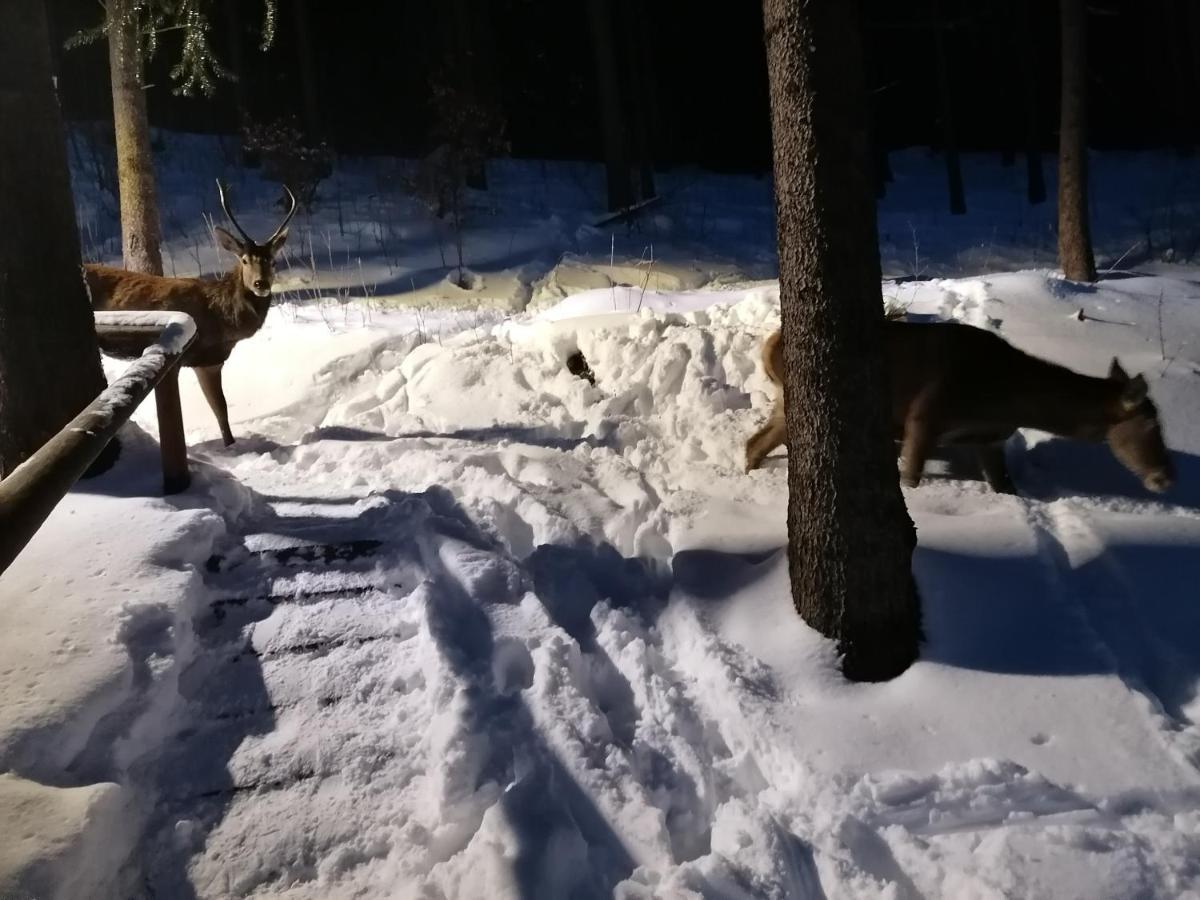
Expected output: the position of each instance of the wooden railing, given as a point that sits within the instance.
(159, 340)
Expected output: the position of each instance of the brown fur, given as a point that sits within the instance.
(954, 384)
(226, 310)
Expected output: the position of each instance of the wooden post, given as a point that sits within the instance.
(172, 445)
(29, 494)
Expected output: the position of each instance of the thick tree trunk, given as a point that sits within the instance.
(608, 82)
(140, 233)
(1074, 234)
(850, 540)
(49, 364)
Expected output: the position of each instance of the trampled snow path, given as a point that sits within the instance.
(540, 642)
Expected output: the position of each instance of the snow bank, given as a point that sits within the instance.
(476, 626)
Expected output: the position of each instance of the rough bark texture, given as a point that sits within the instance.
(608, 82)
(850, 540)
(49, 364)
(140, 233)
(1074, 233)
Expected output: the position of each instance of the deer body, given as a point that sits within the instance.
(223, 310)
(954, 384)
(226, 310)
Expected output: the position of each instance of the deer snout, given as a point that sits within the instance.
(262, 287)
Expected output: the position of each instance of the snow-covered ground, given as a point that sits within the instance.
(533, 237)
(449, 621)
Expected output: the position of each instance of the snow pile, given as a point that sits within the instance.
(463, 623)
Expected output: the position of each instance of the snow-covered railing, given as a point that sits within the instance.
(34, 488)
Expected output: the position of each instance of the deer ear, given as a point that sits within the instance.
(1135, 391)
(279, 240)
(1116, 373)
(227, 241)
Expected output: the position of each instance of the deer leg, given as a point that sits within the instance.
(210, 382)
(994, 468)
(766, 439)
(920, 435)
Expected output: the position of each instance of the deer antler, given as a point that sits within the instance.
(229, 215)
(291, 212)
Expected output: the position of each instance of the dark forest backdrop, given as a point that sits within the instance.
(704, 78)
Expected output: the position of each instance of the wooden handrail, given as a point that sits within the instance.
(35, 487)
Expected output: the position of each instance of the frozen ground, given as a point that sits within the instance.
(449, 621)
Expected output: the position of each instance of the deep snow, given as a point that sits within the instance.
(449, 621)
(541, 643)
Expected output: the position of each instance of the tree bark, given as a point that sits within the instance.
(140, 233)
(850, 540)
(49, 364)
(1074, 234)
(616, 142)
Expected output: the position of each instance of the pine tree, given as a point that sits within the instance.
(850, 539)
(132, 28)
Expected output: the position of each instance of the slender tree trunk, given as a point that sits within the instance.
(954, 181)
(1023, 52)
(140, 233)
(1174, 29)
(1074, 234)
(640, 87)
(466, 23)
(306, 60)
(49, 364)
(230, 12)
(850, 540)
(616, 144)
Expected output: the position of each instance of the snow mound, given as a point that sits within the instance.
(451, 620)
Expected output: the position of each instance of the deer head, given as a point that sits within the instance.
(1135, 435)
(256, 261)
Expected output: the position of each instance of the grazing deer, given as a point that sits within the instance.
(954, 384)
(226, 310)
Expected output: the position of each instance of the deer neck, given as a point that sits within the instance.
(244, 309)
(1072, 405)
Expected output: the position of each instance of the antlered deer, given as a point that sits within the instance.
(954, 384)
(226, 310)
